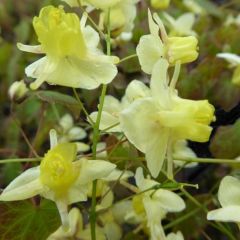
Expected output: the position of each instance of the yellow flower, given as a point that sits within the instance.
(154, 123)
(72, 57)
(160, 4)
(153, 47)
(59, 178)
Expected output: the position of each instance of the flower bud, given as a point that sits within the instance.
(17, 90)
(160, 4)
(183, 49)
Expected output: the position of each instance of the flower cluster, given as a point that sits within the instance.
(151, 119)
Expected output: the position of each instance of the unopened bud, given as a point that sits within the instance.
(182, 49)
(17, 90)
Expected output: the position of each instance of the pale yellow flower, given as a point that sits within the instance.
(152, 206)
(153, 124)
(59, 178)
(72, 57)
(229, 198)
(153, 47)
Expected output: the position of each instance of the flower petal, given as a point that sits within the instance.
(24, 186)
(31, 49)
(156, 152)
(229, 191)
(71, 71)
(159, 83)
(169, 201)
(139, 123)
(94, 169)
(226, 214)
(234, 59)
(149, 51)
(135, 90)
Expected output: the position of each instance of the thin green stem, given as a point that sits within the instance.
(15, 160)
(96, 134)
(82, 107)
(127, 58)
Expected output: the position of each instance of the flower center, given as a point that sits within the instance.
(57, 170)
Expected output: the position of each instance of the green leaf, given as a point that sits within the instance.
(225, 143)
(59, 98)
(23, 220)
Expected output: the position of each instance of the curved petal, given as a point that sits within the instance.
(22, 192)
(94, 169)
(149, 51)
(159, 83)
(229, 191)
(140, 124)
(92, 37)
(117, 174)
(73, 72)
(169, 201)
(77, 133)
(226, 214)
(26, 177)
(31, 49)
(156, 151)
(186, 22)
(234, 59)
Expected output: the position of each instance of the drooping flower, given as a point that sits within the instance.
(153, 47)
(182, 26)
(76, 229)
(72, 57)
(234, 61)
(153, 124)
(160, 4)
(229, 198)
(59, 178)
(152, 206)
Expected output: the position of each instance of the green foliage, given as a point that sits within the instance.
(225, 141)
(23, 220)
